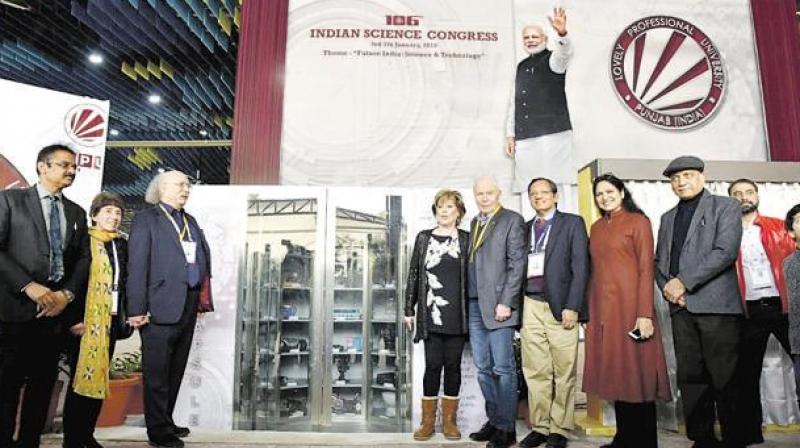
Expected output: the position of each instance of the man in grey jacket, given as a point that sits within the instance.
(496, 271)
(698, 242)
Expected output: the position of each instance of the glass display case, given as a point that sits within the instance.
(321, 345)
(278, 344)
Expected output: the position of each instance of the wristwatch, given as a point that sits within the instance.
(69, 295)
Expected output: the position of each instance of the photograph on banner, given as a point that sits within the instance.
(657, 80)
(33, 118)
(417, 93)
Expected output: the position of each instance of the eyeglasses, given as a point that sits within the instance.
(63, 165)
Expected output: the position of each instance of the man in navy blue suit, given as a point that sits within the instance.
(169, 265)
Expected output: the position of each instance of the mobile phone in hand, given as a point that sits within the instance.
(636, 335)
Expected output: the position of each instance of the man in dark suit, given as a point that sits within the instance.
(495, 272)
(44, 264)
(698, 242)
(169, 262)
(555, 301)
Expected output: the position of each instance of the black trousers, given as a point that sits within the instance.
(706, 349)
(29, 353)
(636, 425)
(165, 351)
(80, 412)
(442, 351)
(765, 318)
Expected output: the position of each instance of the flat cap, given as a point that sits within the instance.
(684, 163)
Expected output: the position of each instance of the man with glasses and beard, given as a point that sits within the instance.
(765, 244)
(538, 126)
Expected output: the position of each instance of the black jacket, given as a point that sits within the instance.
(25, 255)
(417, 283)
(122, 256)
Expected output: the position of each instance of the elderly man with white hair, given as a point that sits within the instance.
(538, 126)
(496, 270)
(169, 267)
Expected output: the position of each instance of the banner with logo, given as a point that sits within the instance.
(415, 92)
(32, 118)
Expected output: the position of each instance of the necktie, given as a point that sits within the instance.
(56, 242)
(539, 227)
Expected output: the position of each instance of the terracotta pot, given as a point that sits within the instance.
(115, 406)
(136, 404)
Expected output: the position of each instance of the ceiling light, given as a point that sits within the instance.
(203, 132)
(154, 99)
(18, 4)
(96, 58)
(114, 132)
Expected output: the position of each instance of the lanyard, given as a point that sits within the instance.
(480, 234)
(116, 266)
(181, 233)
(539, 244)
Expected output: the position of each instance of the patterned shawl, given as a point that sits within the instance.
(91, 373)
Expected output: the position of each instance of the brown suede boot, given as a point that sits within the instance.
(426, 427)
(449, 414)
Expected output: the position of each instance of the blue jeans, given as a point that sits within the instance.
(493, 353)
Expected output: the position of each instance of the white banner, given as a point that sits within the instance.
(32, 118)
(414, 93)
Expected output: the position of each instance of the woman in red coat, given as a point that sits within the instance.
(630, 372)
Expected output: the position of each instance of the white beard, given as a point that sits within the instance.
(537, 49)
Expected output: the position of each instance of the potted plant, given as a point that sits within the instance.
(121, 386)
(134, 365)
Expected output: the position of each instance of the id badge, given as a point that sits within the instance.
(535, 264)
(114, 301)
(190, 251)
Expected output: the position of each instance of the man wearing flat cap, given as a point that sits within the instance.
(698, 243)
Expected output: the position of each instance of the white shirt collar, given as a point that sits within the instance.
(43, 193)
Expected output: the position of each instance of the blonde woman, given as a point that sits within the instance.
(436, 301)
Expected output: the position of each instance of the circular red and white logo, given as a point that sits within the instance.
(10, 177)
(668, 72)
(85, 124)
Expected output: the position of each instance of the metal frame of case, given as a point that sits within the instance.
(352, 286)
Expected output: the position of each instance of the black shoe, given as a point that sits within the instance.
(484, 434)
(707, 444)
(754, 439)
(502, 439)
(180, 431)
(91, 442)
(168, 441)
(533, 439)
(556, 441)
